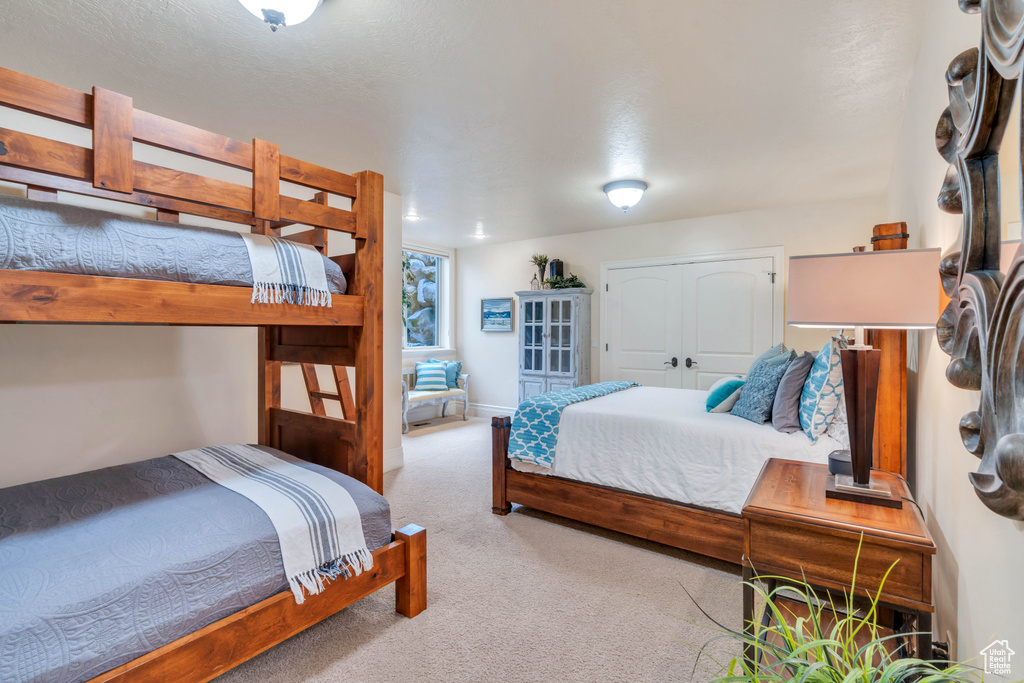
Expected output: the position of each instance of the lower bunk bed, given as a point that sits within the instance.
(653, 463)
(152, 571)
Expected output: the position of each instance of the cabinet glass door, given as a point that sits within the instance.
(560, 346)
(533, 337)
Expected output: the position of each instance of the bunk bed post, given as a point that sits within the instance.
(367, 456)
(269, 382)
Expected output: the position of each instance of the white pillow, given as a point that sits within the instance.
(727, 378)
(839, 427)
(726, 405)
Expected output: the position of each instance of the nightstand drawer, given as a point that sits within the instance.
(827, 559)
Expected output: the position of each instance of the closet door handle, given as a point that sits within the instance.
(674, 362)
(690, 363)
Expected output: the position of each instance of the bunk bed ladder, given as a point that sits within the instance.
(317, 397)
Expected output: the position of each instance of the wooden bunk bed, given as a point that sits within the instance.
(347, 334)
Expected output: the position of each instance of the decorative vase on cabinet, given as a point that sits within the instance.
(554, 340)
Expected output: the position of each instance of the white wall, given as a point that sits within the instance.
(501, 269)
(76, 398)
(977, 570)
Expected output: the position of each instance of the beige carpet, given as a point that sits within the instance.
(526, 597)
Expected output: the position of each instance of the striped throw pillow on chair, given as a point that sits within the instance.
(430, 377)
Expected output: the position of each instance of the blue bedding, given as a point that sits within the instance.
(535, 425)
(60, 238)
(99, 568)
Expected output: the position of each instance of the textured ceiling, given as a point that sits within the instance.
(512, 115)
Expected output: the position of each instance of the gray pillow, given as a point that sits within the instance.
(758, 394)
(786, 411)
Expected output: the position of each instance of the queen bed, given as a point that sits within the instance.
(663, 443)
(649, 462)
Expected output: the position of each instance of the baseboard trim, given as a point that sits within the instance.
(484, 410)
(393, 459)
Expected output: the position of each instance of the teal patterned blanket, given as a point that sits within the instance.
(535, 425)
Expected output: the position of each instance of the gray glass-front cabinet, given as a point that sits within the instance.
(554, 340)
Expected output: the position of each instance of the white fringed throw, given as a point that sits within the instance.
(316, 520)
(286, 272)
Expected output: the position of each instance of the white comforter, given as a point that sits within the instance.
(663, 443)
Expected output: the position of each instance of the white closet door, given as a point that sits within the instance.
(644, 306)
(728, 316)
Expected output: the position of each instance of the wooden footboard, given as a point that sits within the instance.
(224, 644)
(700, 530)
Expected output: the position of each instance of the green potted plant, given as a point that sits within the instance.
(831, 644)
(541, 261)
(560, 282)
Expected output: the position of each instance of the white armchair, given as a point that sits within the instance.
(412, 397)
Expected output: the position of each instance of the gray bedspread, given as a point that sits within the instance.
(99, 568)
(60, 238)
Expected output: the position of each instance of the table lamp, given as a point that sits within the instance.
(894, 290)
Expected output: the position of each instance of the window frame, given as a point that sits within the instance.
(445, 337)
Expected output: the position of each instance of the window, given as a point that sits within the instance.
(424, 278)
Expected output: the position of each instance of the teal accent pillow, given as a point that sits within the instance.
(452, 370)
(820, 397)
(722, 390)
(758, 395)
(430, 377)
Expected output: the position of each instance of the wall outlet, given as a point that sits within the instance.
(593, 342)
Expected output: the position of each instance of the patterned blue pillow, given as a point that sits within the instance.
(430, 377)
(758, 394)
(452, 370)
(819, 400)
(777, 353)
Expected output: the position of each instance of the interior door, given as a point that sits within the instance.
(644, 307)
(728, 318)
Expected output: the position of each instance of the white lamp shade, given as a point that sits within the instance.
(897, 289)
(294, 11)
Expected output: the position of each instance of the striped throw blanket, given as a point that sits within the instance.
(316, 521)
(535, 425)
(286, 272)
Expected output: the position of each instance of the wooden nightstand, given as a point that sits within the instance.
(792, 530)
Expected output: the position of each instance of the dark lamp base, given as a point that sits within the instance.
(842, 487)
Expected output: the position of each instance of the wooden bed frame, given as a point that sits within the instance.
(349, 334)
(701, 530)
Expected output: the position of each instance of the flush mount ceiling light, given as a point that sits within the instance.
(280, 13)
(625, 193)
(411, 217)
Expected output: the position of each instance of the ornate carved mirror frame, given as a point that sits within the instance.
(982, 328)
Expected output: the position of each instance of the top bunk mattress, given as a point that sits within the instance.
(663, 442)
(99, 568)
(59, 238)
